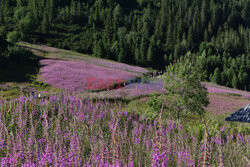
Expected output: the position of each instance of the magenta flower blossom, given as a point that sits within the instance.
(179, 127)
(222, 129)
(184, 157)
(80, 75)
(159, 158)
(238, 137)
(218, 141)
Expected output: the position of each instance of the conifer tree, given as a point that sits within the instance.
(99, 49)
(235, 81)
(121, 56)
(216, 76)
(204, 14)
(137, 56)
(45, 25)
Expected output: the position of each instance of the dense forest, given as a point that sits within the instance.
(149, 33)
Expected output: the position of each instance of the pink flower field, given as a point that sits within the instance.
(80, 75)
(213, 88)
(225, 104)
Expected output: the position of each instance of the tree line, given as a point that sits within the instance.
(149, 33)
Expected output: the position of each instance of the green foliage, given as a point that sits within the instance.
(3, 31)
(216, 77)
(183, 86)
(155, 106)
(235, 81)
(214, 127)
(99, 49)
(13, 36)
(20, 55)
(37, 82)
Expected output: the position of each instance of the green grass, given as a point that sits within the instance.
(220, 118)
(234, 94)
(10, 94)
(141, 107)
(12, 90)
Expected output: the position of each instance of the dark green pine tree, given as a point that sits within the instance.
(204, 13)
(117, 16)
(147, 22)
(45, 25)
(34, 10)
(50, 6)
(170, 35)
(190, 36)
(216, 76)
(26, 26)
(151, 52)
(143, 51)
(242, 76)
(99, 49)
(235, 81)
(108, 25)
(150, 55)
(121, 55)
(137, 56)
(224, 77)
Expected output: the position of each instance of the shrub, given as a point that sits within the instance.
(13, 36)
(20, 55)
(183, 86)
(154, 107)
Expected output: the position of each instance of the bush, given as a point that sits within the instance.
(3, 31)
(154, 107)
(183, 86)
(13, 36)
(19, 55)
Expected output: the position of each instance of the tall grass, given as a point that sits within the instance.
(67, 131)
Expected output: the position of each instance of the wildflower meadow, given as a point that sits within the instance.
(81, 75)
(64, 130)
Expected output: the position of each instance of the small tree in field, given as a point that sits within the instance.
(185, 93)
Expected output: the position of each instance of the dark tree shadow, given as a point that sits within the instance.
(17, 72)
(17, 68)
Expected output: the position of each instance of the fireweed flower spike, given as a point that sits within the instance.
(69, 131)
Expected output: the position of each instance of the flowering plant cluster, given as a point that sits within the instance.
(212, 88)
(110, 83)
(81, 75)
(67, 131)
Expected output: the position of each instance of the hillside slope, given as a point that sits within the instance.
(73, 71)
